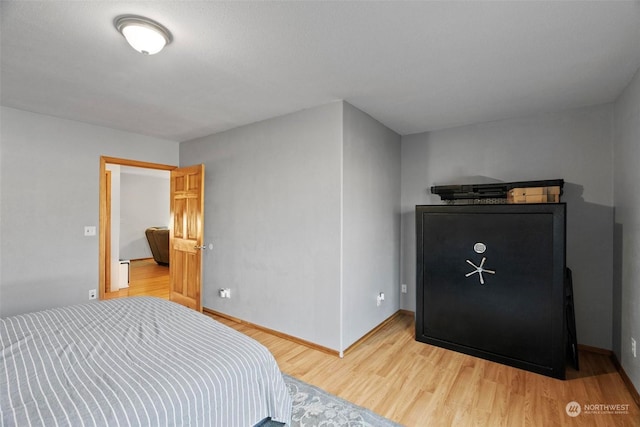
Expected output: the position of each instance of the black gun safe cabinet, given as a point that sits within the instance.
(490, 282)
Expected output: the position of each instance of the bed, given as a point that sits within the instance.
(138, 361)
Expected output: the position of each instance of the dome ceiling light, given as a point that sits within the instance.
(144, 35)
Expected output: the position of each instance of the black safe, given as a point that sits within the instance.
(490, 282)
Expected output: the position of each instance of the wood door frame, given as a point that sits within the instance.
(105, 214)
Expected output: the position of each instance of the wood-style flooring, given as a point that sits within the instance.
(416, 384)
(146, 277)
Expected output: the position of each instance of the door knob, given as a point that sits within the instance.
(200, 247)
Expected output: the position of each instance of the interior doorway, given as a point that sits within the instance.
(142, 273)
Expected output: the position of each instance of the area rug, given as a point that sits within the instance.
(314, 407)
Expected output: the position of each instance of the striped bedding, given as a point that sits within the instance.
(134, 362)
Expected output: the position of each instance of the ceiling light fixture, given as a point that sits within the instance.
(143, 34)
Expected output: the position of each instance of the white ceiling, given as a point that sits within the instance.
(414, 66)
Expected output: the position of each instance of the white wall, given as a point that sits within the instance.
(627, 223)
(574, 145)
(49, 175)
(144, 204)
(272, 211)
(371, 223)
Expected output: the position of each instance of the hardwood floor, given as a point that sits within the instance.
(416, 384)
(148, 278)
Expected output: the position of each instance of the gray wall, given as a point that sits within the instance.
(574, 145)
(272, 211)
(144, 202)
(49, 191)
(371, 223)
(627, 234)
(303, 212)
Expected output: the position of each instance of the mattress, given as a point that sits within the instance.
(134, 362)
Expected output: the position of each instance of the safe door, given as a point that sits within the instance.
(490, 282)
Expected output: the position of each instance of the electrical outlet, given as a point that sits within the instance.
(403, 288)
(89, 230)
(633, 347)
(93, 294)
(224, 293)
(380, 298)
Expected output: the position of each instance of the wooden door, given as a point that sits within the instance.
(185, 237)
